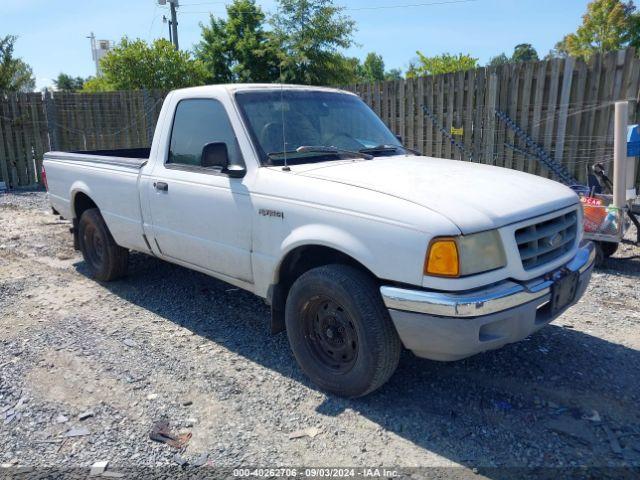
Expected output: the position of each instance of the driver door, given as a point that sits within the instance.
(200, 215)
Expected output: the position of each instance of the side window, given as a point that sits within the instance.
(196, 123)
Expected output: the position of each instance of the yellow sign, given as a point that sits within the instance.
(457, 131)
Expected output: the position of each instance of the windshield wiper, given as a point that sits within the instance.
(321, 149)
(388, 148)
(325, 149)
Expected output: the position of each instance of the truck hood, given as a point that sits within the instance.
(474, 196)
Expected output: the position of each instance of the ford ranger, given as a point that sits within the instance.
(360, 245)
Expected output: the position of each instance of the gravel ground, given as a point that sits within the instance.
(169, 343)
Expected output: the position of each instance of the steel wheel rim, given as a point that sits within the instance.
(331, 334)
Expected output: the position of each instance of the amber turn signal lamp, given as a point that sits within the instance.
(442, 258)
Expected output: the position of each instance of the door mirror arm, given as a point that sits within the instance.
(234, 171)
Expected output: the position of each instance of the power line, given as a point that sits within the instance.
(346, 9)
(409, 5)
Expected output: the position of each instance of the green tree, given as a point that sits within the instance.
(608, 25)
(96, 85)
(348, 70)
(238, 49)
(15, 74)
(373, 68)
(311, 34)
(524, 52)
(213, 51)
(498, 60)
(67, 83)
(393, 74)
(444, 63)
(134, 65)
(412, 69)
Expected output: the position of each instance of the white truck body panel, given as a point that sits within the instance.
(114, 186)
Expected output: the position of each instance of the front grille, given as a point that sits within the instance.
(545, 241)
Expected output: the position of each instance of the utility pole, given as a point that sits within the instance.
(94, 53)
(173, 24)
(164, 20)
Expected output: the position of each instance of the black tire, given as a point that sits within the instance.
(340, 331)
(608, 248)
(105, 258)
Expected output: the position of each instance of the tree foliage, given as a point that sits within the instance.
(444, 63)
(67, 83)
(524, 52)
(304, 44)
(498, 60)
(134, 65)
(393, 74)
(608, 25)
(373, 68)
(311, 35)
(412, 69)
(238, 49)
(96, 85)
(15, 74)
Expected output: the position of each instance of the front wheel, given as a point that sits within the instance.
(340, 331)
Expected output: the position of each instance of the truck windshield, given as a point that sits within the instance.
(327, 124)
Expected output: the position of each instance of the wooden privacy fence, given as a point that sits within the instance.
(490, 115)
(23, 138)
(33, 123)
(564, 105)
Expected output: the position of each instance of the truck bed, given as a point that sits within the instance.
(110, 179)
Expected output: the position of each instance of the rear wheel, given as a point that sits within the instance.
(104, 257)
(340, 331)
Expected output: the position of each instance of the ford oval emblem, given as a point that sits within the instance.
(555, 240)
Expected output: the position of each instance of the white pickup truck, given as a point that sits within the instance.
(361, 246)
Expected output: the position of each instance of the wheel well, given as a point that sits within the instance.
(82, 202)
(297, 262)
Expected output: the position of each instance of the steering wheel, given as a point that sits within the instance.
(271, 136)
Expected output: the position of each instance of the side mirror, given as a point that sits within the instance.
(216, 155)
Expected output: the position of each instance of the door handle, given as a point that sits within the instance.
(162, 186)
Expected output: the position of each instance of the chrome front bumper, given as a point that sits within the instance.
(485, 301)
(450, 326)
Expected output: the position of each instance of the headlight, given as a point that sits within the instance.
(465, 255)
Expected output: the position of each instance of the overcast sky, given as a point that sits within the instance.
(53, 33)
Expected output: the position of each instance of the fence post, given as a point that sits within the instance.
(149, 115)
(489, 132)
(51, 114)
(4, 158)
(563, 111)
